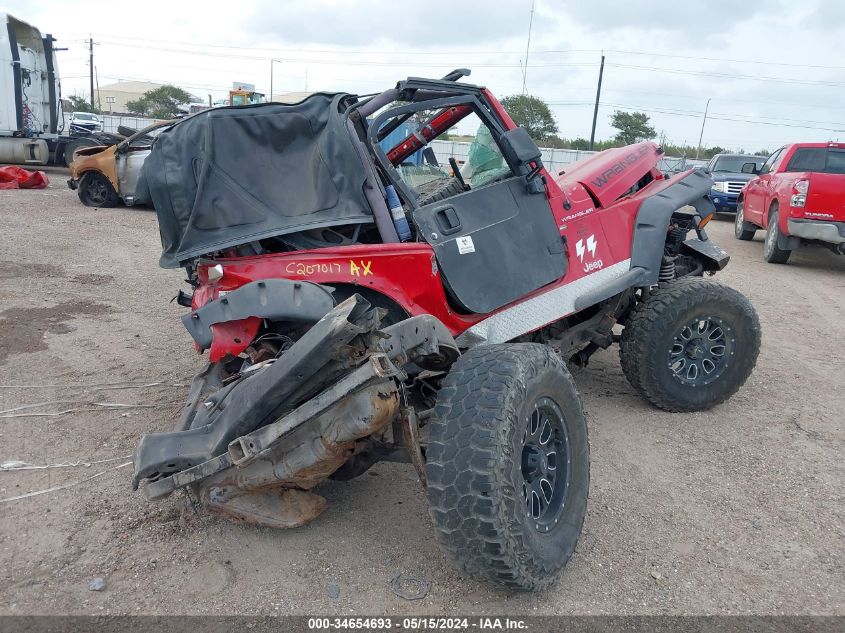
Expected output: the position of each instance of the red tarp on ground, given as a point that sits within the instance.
(20, 178)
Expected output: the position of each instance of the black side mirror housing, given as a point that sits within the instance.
(519, 148)
(750, 168)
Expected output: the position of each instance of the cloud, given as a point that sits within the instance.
(415, 24)
(681, 19)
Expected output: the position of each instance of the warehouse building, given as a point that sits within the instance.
(113, 97)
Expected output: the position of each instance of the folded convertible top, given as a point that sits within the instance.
(231, 176)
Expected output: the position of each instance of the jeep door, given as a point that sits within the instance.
(495, 238)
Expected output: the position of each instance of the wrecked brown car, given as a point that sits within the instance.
(103, 176)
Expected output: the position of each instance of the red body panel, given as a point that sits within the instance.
(603, 174)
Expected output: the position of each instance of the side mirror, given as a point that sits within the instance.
(750, 168)
(519, 148)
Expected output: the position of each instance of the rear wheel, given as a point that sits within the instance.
(690, 345)
(772, 253)
(96, 191)
(508, 464)
(743, 230)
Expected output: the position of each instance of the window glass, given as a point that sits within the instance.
(470, 143)
(835, 161)
(485, 162)
(818, 159)
(808, 159)
(733, 164)
(767, 166)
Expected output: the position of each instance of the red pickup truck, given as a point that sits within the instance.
(798, 197)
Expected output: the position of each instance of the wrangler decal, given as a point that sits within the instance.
(619, 167)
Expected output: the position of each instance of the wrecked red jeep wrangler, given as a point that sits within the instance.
(354, 311)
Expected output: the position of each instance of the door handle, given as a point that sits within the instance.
(448, 220)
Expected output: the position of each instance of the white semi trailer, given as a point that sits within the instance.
(31, 117)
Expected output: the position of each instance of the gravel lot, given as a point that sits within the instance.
(736, 510)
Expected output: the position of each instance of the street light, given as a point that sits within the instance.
(271, 77)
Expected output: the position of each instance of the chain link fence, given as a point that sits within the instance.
(556, 159)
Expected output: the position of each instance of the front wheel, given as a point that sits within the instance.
(743, 230)
(690, 345)
(96, 191)
(508, 464)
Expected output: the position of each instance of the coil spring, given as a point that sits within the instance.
(667, 269)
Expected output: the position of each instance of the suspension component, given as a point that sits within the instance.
(667, 269)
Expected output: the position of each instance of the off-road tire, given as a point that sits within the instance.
(475, 465)
(95, 190)
(772, 253)
(743, 230)
(438, 190)
(650, 332)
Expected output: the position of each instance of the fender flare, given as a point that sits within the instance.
(653, 221)
(274, 299)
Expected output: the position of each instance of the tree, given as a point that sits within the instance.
(80, 104)
(161, 103)
(533, 114)
(580, 143)
(633, 127)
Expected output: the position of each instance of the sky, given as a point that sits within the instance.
(773, 71)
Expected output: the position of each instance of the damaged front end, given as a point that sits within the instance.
(259, 432)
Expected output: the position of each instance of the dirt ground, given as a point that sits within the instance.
(736, 510)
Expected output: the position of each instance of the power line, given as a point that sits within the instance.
(696, 114)
(383, 63)
(767, 62)
(730, 99)
(728, 59)
(702, 73)
(344, 62)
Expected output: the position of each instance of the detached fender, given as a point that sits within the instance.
(653, 220)
(274, 299)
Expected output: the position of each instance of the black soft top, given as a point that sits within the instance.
(234, 175)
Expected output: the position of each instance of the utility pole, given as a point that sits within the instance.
(701, 136)
(596, 109)
(91, 67)
(271, 77)
(97, 79)
(528, 47)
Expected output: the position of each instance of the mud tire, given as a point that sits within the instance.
(475, 465)
(651, 331)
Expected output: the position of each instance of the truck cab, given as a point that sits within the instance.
(729, 179)
(798, 197)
